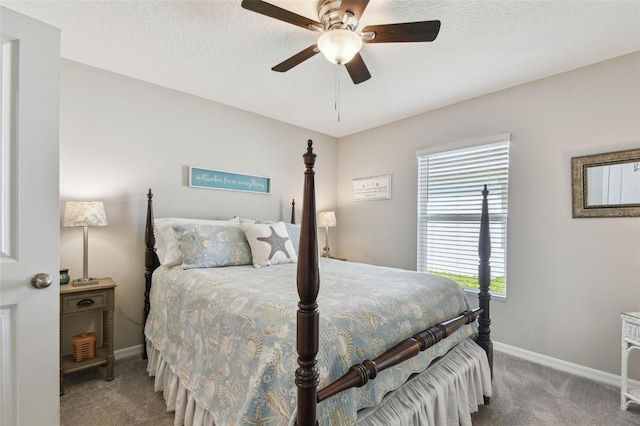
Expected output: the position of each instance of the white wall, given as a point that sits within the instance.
(120, 136)
(568, 279)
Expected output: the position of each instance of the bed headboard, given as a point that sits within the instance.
(151, 261)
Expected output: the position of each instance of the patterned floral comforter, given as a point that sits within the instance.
(229, 333)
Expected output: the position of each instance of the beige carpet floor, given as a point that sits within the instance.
(127, 400)
(524, 394)
(529, 394)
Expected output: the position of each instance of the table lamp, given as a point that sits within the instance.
(326, 220)
(85, 214)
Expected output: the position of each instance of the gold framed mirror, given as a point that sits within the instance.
(606, 185)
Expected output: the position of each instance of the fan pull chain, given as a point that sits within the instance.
(336, 104)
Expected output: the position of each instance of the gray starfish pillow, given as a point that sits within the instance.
(270, 243)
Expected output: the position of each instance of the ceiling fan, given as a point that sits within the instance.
(339, 41)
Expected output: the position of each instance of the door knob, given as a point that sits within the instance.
(41, 280)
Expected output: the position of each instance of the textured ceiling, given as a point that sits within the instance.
(219, 51)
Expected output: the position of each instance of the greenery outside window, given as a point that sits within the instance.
(450, 183)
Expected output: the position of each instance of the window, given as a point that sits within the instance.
(450, 187)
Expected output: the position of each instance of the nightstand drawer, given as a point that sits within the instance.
(86, 301)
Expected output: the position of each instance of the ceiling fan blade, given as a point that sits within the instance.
(296, 59)
(398, 33)
(276, 12)
(356, 7)
(357, 69)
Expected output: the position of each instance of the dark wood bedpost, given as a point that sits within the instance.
(293, 212)
(484, 280)
(308, 318)
(151, 262)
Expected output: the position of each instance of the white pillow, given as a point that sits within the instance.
(166, 241)
(246, 220)
(270, 243)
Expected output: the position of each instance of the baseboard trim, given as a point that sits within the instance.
(567, 367)
(128, 352)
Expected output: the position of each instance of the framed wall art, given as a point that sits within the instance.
(218, 179)
(371, 188)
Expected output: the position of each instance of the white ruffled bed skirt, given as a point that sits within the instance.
(446, 394)
(178, 398)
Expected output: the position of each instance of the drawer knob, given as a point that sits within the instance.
(41, 280)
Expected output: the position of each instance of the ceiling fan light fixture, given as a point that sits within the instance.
(339, 46)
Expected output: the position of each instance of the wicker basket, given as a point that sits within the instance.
(84, 346)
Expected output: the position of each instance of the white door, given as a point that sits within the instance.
(29, 222)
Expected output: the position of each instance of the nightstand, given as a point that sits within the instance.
(630, 341)
(76, 301)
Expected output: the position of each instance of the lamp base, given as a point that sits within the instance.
(326, 252)
(85, 281)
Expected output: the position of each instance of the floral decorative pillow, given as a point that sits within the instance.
(270, 244)
(166, 243)
(207, 246)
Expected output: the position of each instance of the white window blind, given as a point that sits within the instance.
(450, 187)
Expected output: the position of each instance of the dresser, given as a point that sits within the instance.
(630, 341)
(75, 304)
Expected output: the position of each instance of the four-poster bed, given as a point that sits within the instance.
(433, 318)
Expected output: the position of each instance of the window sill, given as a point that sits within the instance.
(494, 296)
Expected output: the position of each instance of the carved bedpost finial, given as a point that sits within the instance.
(149, 194)
(309, 157)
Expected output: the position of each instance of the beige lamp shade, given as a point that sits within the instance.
(84, 213)
(327, 219)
